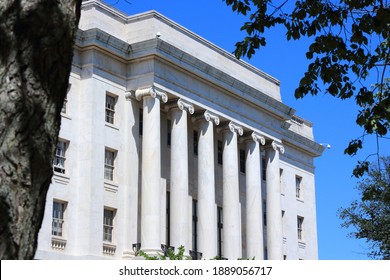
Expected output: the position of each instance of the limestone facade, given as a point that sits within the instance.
(167, 139)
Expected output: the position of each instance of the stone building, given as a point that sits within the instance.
(166, 139)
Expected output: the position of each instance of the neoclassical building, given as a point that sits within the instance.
(168, 140)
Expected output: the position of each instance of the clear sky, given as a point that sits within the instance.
(334, 120)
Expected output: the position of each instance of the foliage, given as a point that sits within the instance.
(371, 216)
(350, 46)
(170, 255)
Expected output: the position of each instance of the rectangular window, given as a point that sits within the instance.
(57, 225)
(242, 161)
(219, 155)
(298, 186)
(300, 227)
(264, 169)
(194, 225)
(169, 130)
(108, 225)
(140, 122)
(109, 161)
(59, 158)
(110, 108)
(282, 190)
(195, 140)
(220, 231)
(168, 219)
(64, 109)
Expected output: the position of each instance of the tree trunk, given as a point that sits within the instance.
(36, 49)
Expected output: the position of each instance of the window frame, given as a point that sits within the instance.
(298, 187)
(58, 219)
(300, 231)
(109, 166)
(59, 161)
(110, 108)
(108, 228)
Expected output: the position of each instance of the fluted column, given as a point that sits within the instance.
(151, 169)
(179, 174)
(274, 209)
(207, 222)
(254, 201)
(231, 197)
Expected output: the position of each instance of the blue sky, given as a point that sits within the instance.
(334, 120)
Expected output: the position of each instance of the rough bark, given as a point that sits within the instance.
(36, 49)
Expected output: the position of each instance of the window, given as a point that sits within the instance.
(242, 161)
(110, 108)
(64, 109)
(264, 169)
(300, 227)
(57, 225)
(169, 130)
(282, 190)
(108, 225)
(140, 122)
(219, 148)
(220, 231)
(168, 221)
(195, 140)
(59, 158)
(194, 225)
(109, 160)
(298, 186)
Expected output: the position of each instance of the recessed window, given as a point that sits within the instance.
(60, 157)
(108, 225)
(194, 225)
(140, 122)
(169, 132)
(220, 231)
(242, 161)
(298, 187)
(64, 109)
(263, 169)
(110, 108)
(57, 225)
(109, 164)
(195, 141)
(219, 152)
(300, 227)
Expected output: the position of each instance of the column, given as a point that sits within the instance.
(254, 201)
(207, 222)
(231, 194)
(274, 209)
(179, 174)
(151, 170)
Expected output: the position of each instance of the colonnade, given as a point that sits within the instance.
(207, 122)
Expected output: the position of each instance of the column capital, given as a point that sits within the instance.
(233, 127)
(152, 92)
(185, 105)
(180, 104)
(208, 116)
(254, 136)
(276, 146)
